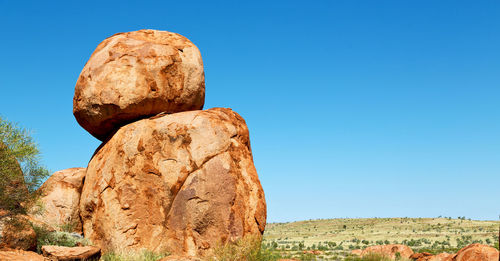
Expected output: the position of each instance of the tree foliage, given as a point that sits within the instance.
(20, 170)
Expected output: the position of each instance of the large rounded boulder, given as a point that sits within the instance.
(134, 75)
(477, 252)
(181, 183)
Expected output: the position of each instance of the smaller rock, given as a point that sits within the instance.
(60, 199)
(418, 256)
(441, 257)
(313, 252)
(356, 252)
(429, 257)
(389, 250)
(477, 252)
(71, 253)
(20, 255)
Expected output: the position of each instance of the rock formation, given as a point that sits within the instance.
(135, 75)
(477, 252)
(180, 182)
(60, 199)
(169, 176)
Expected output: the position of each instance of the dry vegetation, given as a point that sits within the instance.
(335, 238)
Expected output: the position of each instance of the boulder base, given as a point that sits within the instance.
(180, 183)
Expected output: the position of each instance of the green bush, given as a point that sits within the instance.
(20, 170)
(56, 238)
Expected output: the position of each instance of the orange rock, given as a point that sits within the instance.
(135, 75)
(477, 252)
(20, 255)
(71, 253)
(181, 183)
(356, 252)
(60, 197)
(429, 257)
(389, 250)
(442, 257)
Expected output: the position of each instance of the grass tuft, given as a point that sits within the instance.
(144, 255)
(246, 249)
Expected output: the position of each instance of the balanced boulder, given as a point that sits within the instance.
(132, 76)
(181, 183)
(60, 199)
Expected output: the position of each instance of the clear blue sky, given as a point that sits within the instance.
(355, 108)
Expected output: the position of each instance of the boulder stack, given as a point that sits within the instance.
(168, 176)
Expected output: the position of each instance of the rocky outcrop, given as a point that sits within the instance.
(181, 182)
(135, 75)
(477, 252)
(16, 232)
(61, 253)
(19, 255)
(388, 250)
(60, 199)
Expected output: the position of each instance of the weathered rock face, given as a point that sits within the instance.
(477, 252)
(389, 250)
(181, 182)
(60, 198)
(16, 233)
(132, 76)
